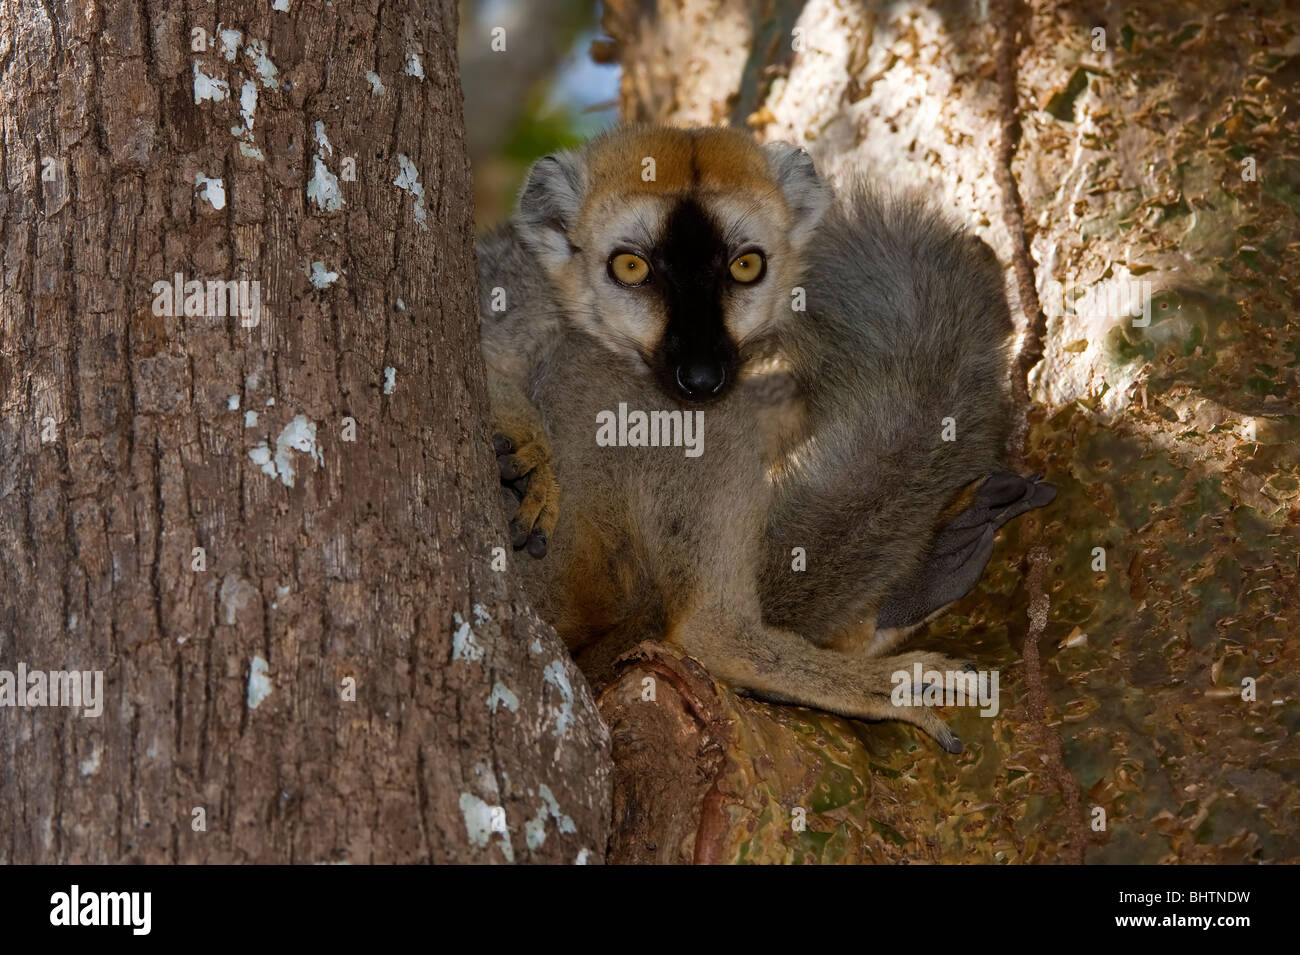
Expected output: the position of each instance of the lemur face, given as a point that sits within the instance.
(686, 281)
(676, 248)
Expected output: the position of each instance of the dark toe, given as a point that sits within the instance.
(1042, 495)
(1002, 488)
(537, 544)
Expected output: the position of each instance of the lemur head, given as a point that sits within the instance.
(676, 246)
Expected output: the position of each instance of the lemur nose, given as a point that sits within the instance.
(701, 379)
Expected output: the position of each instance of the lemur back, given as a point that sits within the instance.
(902, 359)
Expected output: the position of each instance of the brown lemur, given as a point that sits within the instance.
(844, 361)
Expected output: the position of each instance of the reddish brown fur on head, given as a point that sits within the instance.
(684, 159)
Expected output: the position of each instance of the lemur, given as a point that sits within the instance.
(827, 342)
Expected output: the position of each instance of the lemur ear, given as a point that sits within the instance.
(549, 204)
(805, 192)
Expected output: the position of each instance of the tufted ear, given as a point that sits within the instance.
(805, 192)
(549, 204)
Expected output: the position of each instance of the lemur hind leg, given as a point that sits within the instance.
(782, 667)
(956, 557)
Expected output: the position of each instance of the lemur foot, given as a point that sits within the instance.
(888, 670)
(962, 547)
(524, 466)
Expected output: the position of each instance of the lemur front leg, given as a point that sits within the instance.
(957, 556)
(781, 667)
(524, 465)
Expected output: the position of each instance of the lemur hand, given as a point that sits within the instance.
(523, 462)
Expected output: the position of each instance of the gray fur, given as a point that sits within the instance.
(806, 193)
(515, 339)
(907, 324)
(549, 203)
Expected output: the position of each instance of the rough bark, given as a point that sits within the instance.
(1173, 445)
(128, 439)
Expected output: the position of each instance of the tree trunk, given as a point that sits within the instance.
(1148, 650)
(272, 532)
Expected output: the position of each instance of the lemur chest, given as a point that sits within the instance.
(636, 463)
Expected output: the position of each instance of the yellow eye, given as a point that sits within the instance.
(629, 269)
(748, 267)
